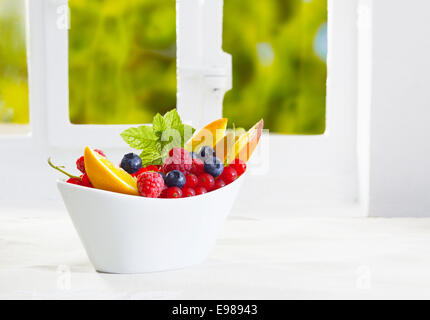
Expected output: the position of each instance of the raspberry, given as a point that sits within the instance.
(206, 181)
(229, 175)
(176, 163)
(200, 190)
(219, 184)
(150, 184)
(86, 181)
(197, 166)
(179, 153)
(188, 192)
(239, 166)
(75, 181)
(173, 192)
(80, 164)
(192, 180)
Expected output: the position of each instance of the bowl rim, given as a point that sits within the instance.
(62, 181)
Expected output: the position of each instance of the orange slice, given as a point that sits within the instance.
(208, 136)
(226, 145)
(238, 133)
(105, 175)
(246, 144)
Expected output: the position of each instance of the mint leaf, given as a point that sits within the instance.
(149, 158)
(172, 119)
(155, 142)
(137, 137)
(158, 125)
(171, 138)
(152, 153)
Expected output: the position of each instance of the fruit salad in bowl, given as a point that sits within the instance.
(160, 209)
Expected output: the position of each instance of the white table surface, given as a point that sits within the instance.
(291, 258)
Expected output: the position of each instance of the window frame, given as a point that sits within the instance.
(200, 64)
(318, 169)
(311, 169)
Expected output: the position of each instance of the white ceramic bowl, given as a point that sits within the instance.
(130, 234)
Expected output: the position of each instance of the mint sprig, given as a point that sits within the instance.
(156, 141)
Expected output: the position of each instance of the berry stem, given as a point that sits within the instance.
(62, 171)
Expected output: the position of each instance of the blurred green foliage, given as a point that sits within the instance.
(279, 73)
(13, 64)
(122, 60)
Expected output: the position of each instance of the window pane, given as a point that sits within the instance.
(13, 63)
(122, 60)
(279, 50)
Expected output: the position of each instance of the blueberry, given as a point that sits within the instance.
(194, 155)
(206, 153)
(214, 166)
(175, 178)
(131, 163)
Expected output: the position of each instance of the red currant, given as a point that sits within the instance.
(75, 181)
(192, 180)
(219, 183)
(173, 192)
(146, 169)
(153, 168)
(188, 192)
(229, 175)
(239, 166)
(197, 167)
(206, 181)
(138, 173)
(85, 181)
(200, 190)
(164, 192)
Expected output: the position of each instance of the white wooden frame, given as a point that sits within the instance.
(204, 72)
(308, 169)
(318, 170)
